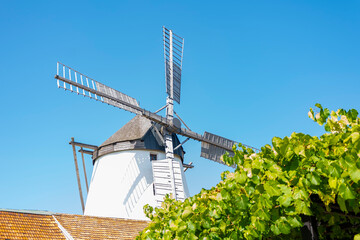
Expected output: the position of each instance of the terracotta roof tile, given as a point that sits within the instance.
(88, 227)
(24, 225)
(15, 225)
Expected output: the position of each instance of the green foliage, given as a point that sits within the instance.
(265, 197)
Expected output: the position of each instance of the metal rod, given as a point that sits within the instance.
(182, 121)
(177, 57)
(181, 144)
(187, 166)
(177, 44)
(83, 162)
(178, 36)
(168, 38)
(77, 174)
(176, 52)
(161, 109)
(70, 79)
(167, 42)
(64, 76)
(82, 83)
(177, 72)
(177, 41)
(77, 88)
(87, 81)
(57, 72)
(182, 53)
(75, 71)
(94, 88)
(165, 30)
(164, 54)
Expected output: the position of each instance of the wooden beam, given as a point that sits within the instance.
(83, 162)
(77, 174)
(83, 145)
(86, 151)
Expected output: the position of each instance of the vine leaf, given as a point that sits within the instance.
(268, 193)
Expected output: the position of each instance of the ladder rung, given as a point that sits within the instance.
(162, 180)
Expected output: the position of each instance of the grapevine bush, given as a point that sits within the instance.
(270, 192)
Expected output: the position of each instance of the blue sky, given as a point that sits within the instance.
(251, 71)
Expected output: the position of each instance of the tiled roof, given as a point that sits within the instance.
(25, 225)
(15, 225)
(88, 227)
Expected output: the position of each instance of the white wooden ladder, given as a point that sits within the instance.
(162, 180)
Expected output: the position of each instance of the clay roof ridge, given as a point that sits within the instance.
(115, 218)
(45, 212)
(28, 211)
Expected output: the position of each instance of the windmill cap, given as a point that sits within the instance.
(135, 129)
(138, 134)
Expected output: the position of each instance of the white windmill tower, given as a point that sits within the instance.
(144, 160)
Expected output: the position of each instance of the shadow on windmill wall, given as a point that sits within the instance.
(137, 174)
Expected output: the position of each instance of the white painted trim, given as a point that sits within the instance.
(63, 230)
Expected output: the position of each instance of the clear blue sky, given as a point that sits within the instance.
(251, 71)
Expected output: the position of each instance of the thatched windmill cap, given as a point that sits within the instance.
(138, 133)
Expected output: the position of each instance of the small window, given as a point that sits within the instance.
(153, 157)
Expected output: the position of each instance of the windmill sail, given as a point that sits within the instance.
(212, 146)
(74, 81)
(173, 56)
(213, 152)
(215, 146)
(167, 173)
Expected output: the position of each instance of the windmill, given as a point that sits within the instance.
(167, 171)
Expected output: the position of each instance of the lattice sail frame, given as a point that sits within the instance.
(74, 81)
(174, 45)
(214, 152)
(212, 146)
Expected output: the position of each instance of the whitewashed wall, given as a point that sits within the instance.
(122, 183)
